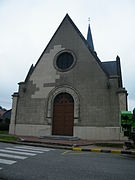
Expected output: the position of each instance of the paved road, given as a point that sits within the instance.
(32, 163)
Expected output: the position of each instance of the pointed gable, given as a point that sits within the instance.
(68, 29)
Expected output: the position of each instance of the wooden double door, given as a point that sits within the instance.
(63, 115)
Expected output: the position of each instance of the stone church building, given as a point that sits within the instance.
(69, 91)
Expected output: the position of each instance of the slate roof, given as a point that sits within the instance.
(89, 39)
(113, 68)
(110, 67)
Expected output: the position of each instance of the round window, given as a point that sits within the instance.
(64, 61)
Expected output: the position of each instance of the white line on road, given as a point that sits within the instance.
(12, 156)
(16, 152)
(4, 161)
(0, 168)
(33, 148)
(25, 150)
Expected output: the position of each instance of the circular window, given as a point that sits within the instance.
(64, 61)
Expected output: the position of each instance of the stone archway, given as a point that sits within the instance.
(54, 93)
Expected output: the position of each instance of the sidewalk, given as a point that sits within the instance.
(73, 143)
(78, 144)
(57, 141)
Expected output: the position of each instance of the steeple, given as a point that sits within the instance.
(89, 38)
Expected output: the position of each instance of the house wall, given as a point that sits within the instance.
(84, 132)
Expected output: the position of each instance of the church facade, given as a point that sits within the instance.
(70, 92)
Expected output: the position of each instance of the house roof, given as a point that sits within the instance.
(2, 111)
(6, 115)
(111, 67)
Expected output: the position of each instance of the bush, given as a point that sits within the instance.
(4, 124)
(4, 127)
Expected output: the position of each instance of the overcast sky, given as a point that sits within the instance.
(26, 26)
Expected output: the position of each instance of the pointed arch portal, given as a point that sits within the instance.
(54, 96)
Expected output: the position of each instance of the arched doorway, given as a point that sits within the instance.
(63, 115)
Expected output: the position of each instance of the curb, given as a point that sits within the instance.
(37, 144)
(114, 151)
(104, 151)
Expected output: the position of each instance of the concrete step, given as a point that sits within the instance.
(57, 137)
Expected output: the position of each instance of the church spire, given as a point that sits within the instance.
(89, 38)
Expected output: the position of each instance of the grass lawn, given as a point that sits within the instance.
(8, 138)
(4, 136)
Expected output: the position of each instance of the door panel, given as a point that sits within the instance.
(63, 115)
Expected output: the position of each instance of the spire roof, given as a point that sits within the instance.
(89, 39)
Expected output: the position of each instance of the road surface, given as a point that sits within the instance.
(19, 162)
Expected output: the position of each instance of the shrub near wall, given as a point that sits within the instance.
(4, 124)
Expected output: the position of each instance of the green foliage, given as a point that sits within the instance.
(3, 132)
(8, 138)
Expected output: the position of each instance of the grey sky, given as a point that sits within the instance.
(28, 25)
